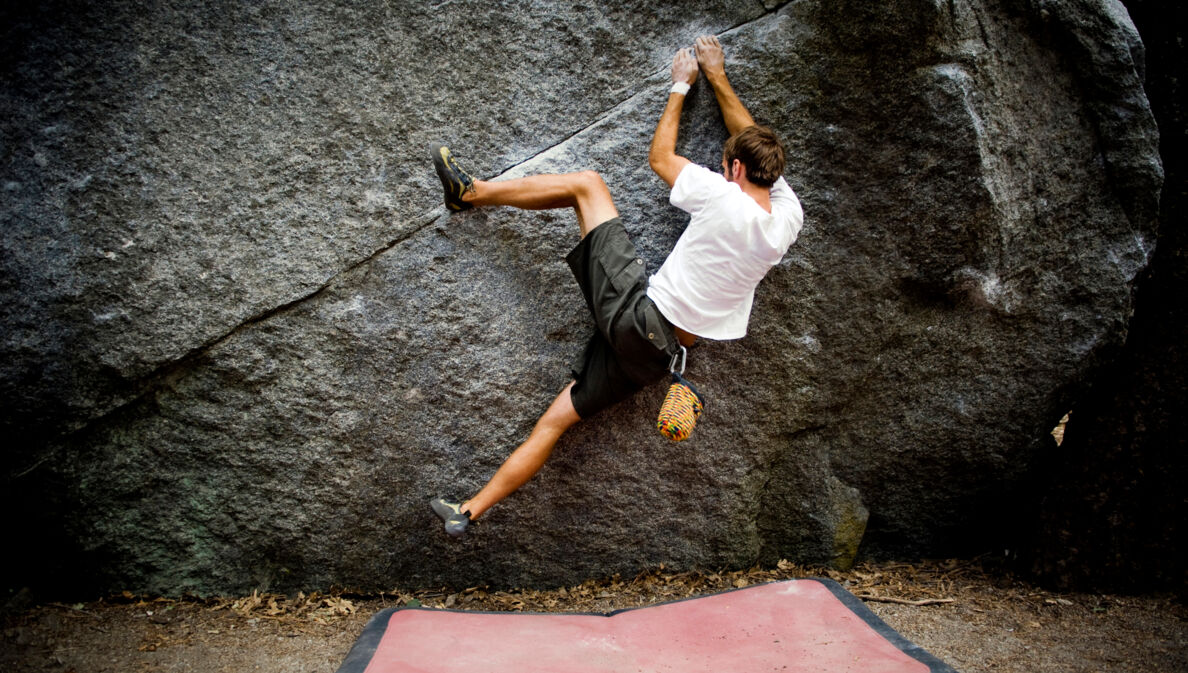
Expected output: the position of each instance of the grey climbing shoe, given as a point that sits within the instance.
(454, 180)
(456, 521)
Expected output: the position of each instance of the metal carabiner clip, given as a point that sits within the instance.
(672, 365)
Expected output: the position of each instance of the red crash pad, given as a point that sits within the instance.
(794, 625)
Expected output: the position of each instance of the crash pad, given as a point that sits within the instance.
(792, 625)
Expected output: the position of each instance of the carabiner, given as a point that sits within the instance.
(672, 365)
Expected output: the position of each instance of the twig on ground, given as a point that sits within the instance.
(904, 601)
(75, 609)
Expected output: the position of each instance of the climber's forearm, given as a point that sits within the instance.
(662, 156)
(734, 113)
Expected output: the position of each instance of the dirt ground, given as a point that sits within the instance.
(972, 618)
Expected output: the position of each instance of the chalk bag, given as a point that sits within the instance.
(682, 405)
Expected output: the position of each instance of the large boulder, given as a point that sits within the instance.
(244, 343)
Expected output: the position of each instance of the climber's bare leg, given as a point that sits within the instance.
(528, 458)
(584, 191)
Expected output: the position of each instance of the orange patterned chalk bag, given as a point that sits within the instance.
(682, 405)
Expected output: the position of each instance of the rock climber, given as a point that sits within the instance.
(742, 222)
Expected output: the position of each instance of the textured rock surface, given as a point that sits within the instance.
(1115, 510)
(243, 344)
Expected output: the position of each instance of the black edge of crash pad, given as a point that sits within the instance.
(884, 629)
(364, 648)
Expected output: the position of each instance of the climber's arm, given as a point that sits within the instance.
(662, 156)
(713, 63)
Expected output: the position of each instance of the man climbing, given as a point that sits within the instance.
(742, 222)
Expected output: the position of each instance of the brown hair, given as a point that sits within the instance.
(760, 151)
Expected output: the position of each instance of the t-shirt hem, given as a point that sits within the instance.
(676, 323)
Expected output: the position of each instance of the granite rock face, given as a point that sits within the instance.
(243, 342)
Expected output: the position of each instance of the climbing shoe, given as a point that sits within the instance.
(456, 521)
(454, 180)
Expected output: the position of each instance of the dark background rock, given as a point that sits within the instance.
(1115, 499)
(243, 343)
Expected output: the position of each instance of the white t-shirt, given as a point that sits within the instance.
(707, 284)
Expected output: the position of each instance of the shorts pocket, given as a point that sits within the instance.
(644, 343)
(629, 276)
(657, 328)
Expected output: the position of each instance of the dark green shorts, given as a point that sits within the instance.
(634, 342)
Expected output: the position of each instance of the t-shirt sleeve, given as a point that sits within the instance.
(693, 187)
(785, 202)
(782, 193)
